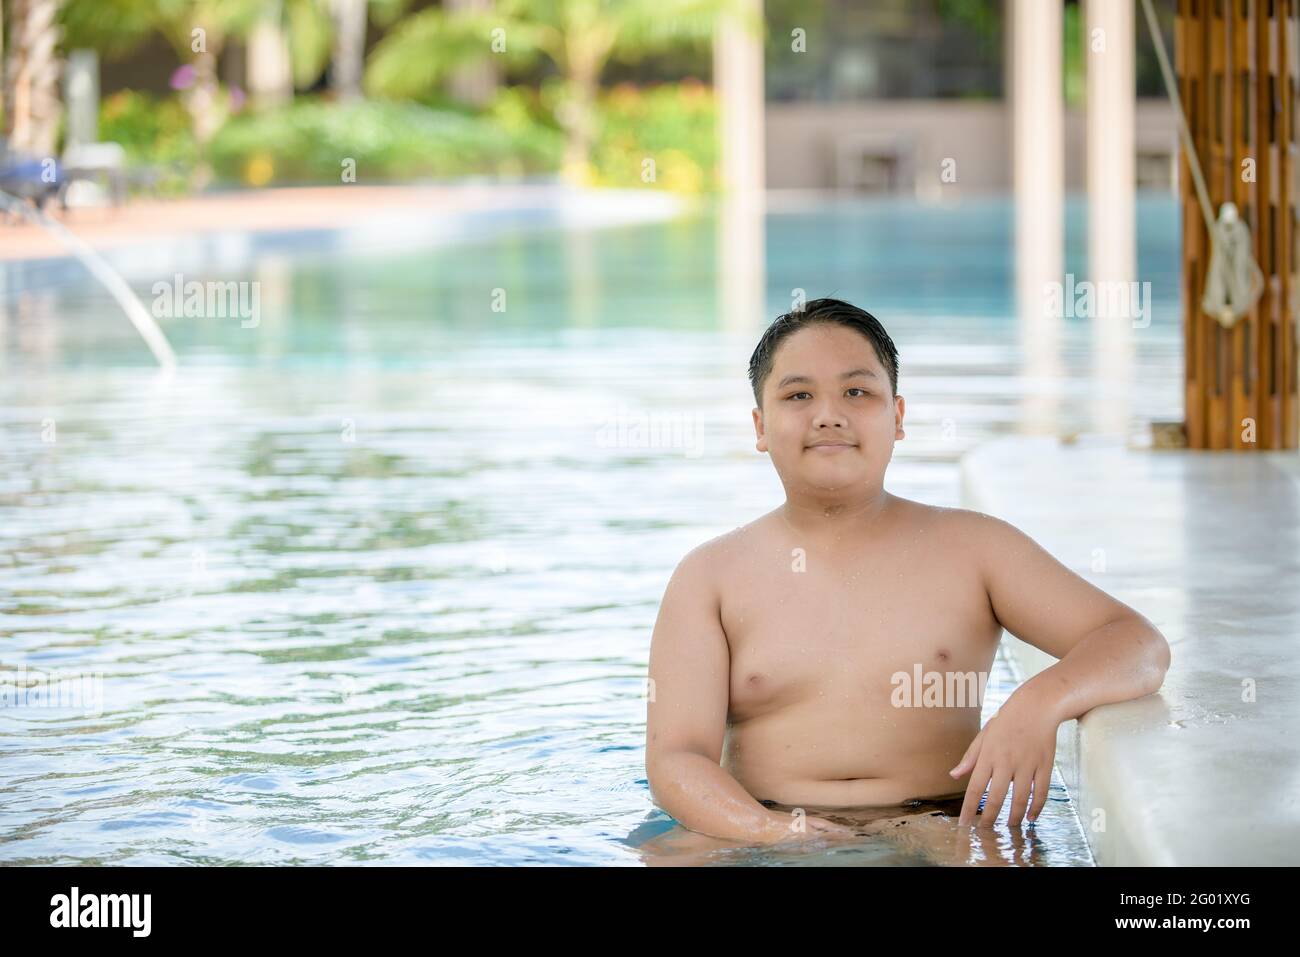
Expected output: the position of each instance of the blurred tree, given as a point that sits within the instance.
(31, 77)
(349, 48)
(477, 83)
(268, 67)
(348, 21)
(196, 29)
(291, 42)
(577, 36)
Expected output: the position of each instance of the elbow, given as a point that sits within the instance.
(1159, 658)
(664, 772)
(1165, 656)
(657, 776)
(1151, 654)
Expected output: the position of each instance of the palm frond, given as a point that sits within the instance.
(425, 48)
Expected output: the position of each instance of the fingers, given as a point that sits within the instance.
(974, 791)
(1029, 791)
(1042, 784)
(997, 795)
(1020, 797)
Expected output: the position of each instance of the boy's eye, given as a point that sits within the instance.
(852, 389)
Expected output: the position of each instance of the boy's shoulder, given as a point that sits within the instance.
(723, 547)
(975, 522)
(973, 536)
(710, 560)
(951, 517)
(981, 538)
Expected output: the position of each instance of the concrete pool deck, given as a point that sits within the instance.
(413, 212)
(1207, 546)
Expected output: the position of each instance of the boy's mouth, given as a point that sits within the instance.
(830, 447)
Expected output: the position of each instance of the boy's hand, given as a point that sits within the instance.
(1017, 747)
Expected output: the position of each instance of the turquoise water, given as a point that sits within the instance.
(373, 581)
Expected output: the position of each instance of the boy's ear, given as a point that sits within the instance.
(898, 417)
(761, 445)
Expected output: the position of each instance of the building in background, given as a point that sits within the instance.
(877, 96)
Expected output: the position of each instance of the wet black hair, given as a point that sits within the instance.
(821, 311)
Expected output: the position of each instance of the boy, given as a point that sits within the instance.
(780, 650)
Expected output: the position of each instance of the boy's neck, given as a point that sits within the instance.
(828, 519)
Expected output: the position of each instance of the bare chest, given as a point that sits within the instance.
(857, 630)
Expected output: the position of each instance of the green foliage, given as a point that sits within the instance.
(309, 33)
(1074, 67)
(156, 133)
(420, 52)
(982, 17)
(113, 28)
(575, 35)
(116, 28)
(673, 124)
(524, 130)
(308, 140)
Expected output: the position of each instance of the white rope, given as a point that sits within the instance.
(1233, 280)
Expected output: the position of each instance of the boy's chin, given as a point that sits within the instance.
(835, 479)
(828, 472)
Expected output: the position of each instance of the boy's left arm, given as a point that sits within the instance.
(1107, 653)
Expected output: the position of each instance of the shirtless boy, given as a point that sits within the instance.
(778, 651)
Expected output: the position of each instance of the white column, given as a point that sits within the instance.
(81, 96)
(1110, 45)
(1038, 131)
(738, 85)
(1109, 53)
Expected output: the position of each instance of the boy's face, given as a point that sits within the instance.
(828, 419)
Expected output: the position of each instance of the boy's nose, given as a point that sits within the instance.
(829, 417)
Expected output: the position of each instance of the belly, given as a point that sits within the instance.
(828, 754)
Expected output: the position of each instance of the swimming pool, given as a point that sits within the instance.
(373, 581)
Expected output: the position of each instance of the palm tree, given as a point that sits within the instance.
(349, 48)
(578, 36)
(303, 33)
(31, 77)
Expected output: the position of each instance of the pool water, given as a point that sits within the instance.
(374, 580)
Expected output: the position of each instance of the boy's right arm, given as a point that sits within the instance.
(686, 715)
